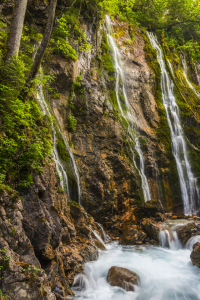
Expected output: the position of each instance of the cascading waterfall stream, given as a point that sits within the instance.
(188, 183)
(197, 73)
(184, 63)
(126, 113)
(59, 166)
(165, 272)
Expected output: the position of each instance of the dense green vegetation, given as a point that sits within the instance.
(25, 135)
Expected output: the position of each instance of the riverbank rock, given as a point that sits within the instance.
(188, 231)
(195, 255)
(151, 228)
(123, 278)
(132, 236)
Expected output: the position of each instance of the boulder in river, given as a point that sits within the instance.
(132, 236)
(123, 278)
(195, 255)
(188, 231)
(152, 229)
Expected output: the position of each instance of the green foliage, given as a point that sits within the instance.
(14, 231)
(72, 123)
(3, 39)
(2, 296)
(67, 34)
(25, 138)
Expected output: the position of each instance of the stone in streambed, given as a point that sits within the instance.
(123, 278)
(195, 255)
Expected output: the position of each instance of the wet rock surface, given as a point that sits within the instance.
(195, 255)
(151, 228)
(45, 241)
(123, 278)
(188, 231)
(132, 236)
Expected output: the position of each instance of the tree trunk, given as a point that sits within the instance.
(16, 27)
(40, 53)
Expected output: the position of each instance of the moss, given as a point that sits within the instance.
(53, 208)
(14, 231)
(63, 154)
(74, 203)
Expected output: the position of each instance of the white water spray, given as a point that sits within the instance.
(169, 239)
(192, 241)
(188, 183)
(124, 109)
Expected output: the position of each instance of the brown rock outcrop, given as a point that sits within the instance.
(188, 231)
(132, 236)
(195, 255)
(41, 234)
(123, 278)
(151, 228)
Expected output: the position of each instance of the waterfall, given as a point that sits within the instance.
(169, 239)
(97, 236)
(59, 165)
(106, 237)
(192, 241)
(188, 184)
(197, 73)
(125, 112)
(186, 77)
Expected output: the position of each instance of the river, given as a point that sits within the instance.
(165, 273)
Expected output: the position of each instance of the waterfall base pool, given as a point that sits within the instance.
(164, 274)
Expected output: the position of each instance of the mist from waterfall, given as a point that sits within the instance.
(126, 112)
(188, 183)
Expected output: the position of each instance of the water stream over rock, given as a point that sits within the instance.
(184, 63)
(188, 183)
(125, 111)
(165, 272)
(59, 165)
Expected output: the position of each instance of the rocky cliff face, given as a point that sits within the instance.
(44, 241)
(44, 238)
(111, 184)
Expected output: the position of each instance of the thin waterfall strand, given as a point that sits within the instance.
(126, 113)
(59, 167)
(186, 77)
(188, 183)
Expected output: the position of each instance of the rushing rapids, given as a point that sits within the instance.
(188, 183)
(165, 272)
(124, 109)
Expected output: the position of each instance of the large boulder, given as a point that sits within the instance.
(195, 255)
(123, 278)
(151, 209)
(132, 236)
(188, 231)
(151, 228)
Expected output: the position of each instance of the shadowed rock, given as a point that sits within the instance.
(123, 278)
(132, 236)
(195, 255)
